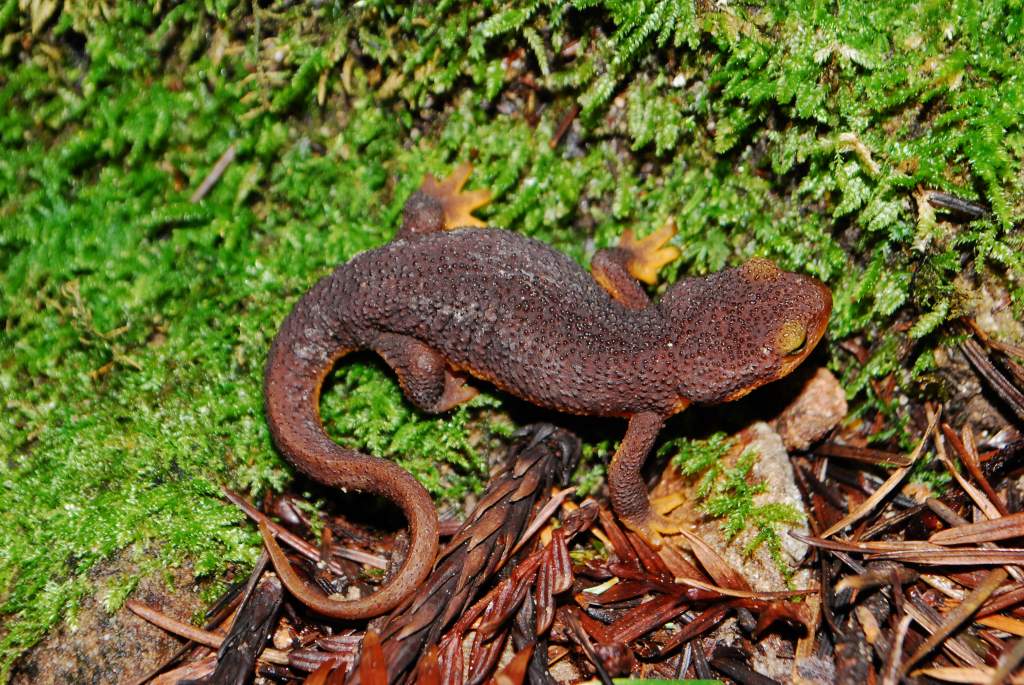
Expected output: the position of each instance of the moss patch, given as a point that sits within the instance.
(727, 493)
(135, 322)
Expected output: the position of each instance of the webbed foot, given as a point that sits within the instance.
(653, 528)
(442, 205)
(666, 504)
(650, 254)
(456, 392)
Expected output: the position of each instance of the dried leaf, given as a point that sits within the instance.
(1007, 624)
(968, 452)
(545, 513)
(645, 618)
(752, 594)
(1002, 601)
(572, 618)
(515, 672)
(868, 624)
(620, 544)
(484, 655)
(707, 620)
(649, 556)
(974, 493)
(613, 592)
(678, 565)
(979, 675)
(248, 634)
(483, 544)
(428, 671)
(871, 546)
(452, 665)
(319, 676)
(373, 669)
(956, 557)
(717, 567)
(770, 612)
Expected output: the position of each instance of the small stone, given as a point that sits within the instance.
(770, 656)
(817, 409)
(814, 669)
(773, 468)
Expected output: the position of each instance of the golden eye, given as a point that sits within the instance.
(792, 338)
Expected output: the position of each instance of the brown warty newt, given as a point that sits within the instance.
(448, 299)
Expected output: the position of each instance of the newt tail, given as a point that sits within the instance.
(302, 355)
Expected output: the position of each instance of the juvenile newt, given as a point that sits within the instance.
(448, 299)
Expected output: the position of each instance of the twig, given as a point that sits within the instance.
(1010, 660)
(977, 496)
(895, 479)
(564, 125)
(941, 200)
(863, 454)
(301, 546)
(1013, 397)
(248, 634)
(220, 611)
(969, 456)
(482, 545)
(215, 173)
(958, 615)
(923, 615)
(188, 632)
(572, 619)
(893, 661)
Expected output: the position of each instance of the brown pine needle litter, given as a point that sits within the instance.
(902, 581)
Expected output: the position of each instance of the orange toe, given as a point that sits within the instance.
(650, 254)
(458, 205)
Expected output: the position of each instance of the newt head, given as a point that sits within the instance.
(743, 327)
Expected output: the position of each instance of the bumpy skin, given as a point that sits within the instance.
(495, 305)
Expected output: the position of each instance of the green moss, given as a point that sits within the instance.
(699, 458)
(135, 323)
(727, 494)
(732, 499)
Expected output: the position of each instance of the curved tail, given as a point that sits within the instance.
(305, 349)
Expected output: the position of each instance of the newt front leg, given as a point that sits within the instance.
(626, 487)
(619, 271)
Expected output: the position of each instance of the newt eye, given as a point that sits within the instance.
(792, 338)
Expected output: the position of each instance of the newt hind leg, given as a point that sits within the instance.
(619, 269)
(423, 373)
(443, 205)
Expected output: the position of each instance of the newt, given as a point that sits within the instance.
(450, 299)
